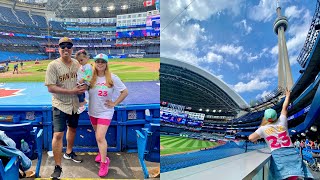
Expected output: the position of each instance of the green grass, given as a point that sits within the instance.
(35, 78)
(125, 72)
(174, 144)
(136, 60)
(138, 76)
(120, 67)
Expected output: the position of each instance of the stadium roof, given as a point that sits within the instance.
(108, 8)
(188, 85)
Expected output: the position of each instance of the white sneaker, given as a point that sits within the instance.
(81, 109)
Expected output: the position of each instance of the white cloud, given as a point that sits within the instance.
(251, 57)
(237, 52)
(227, 49)
(218, 59)
(263, 52)
(252, 85)
(212, 57)
(180, 38)
(182, 55)
(232, 65)
(263, 95)
(204, 9)
(243, 24)
(182, 43)
(262, 74)
(293, 12)
(275, 50)
(264, 11)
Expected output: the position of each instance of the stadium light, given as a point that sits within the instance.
(96, 9)
(200, 109)
(207, 110)
(220, 110)
(110, 8)
(314, 128)
(124, 6)
(84, 9)
(214, 111)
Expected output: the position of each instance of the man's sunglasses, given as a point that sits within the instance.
(64, 45)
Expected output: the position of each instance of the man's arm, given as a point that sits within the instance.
(285, 104)
(76, 90)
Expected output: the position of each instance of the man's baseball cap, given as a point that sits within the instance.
(65, 40)
(270, 115)
(101, 56)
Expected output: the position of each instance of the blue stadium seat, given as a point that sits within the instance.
(24, 16)
(8, 15)
(40, 20)
(148, 145)
(57, 26)
(31, 135)
(11, 170)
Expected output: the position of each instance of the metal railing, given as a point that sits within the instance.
(311, 38)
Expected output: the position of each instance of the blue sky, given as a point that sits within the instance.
(234, 40)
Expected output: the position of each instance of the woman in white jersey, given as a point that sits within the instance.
(101, 106)
(285, 162)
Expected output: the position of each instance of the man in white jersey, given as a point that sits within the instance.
(61, 80)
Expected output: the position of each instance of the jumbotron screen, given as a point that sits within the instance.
(153, 25)
(180, 118)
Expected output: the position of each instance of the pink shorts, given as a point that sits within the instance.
(95, 121)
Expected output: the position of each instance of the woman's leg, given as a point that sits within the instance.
(94, 122)
(101, 131)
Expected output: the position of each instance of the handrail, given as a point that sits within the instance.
(244, 166)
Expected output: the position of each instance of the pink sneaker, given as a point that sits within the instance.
(104, 168)
(98, 158)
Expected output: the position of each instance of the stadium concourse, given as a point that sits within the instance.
(122, 29)
(197, 105)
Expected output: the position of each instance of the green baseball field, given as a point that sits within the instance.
(128, 69)
(177, 145)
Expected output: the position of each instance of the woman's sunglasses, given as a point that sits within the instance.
(101, 61)
(64, 45)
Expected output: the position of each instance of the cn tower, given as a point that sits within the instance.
(284, 70)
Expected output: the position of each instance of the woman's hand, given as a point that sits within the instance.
(110, 104)
(287, 92)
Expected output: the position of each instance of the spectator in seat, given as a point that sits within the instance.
(307, 143)
(297, 143)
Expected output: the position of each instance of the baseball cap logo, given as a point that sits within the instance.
(101, 55)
